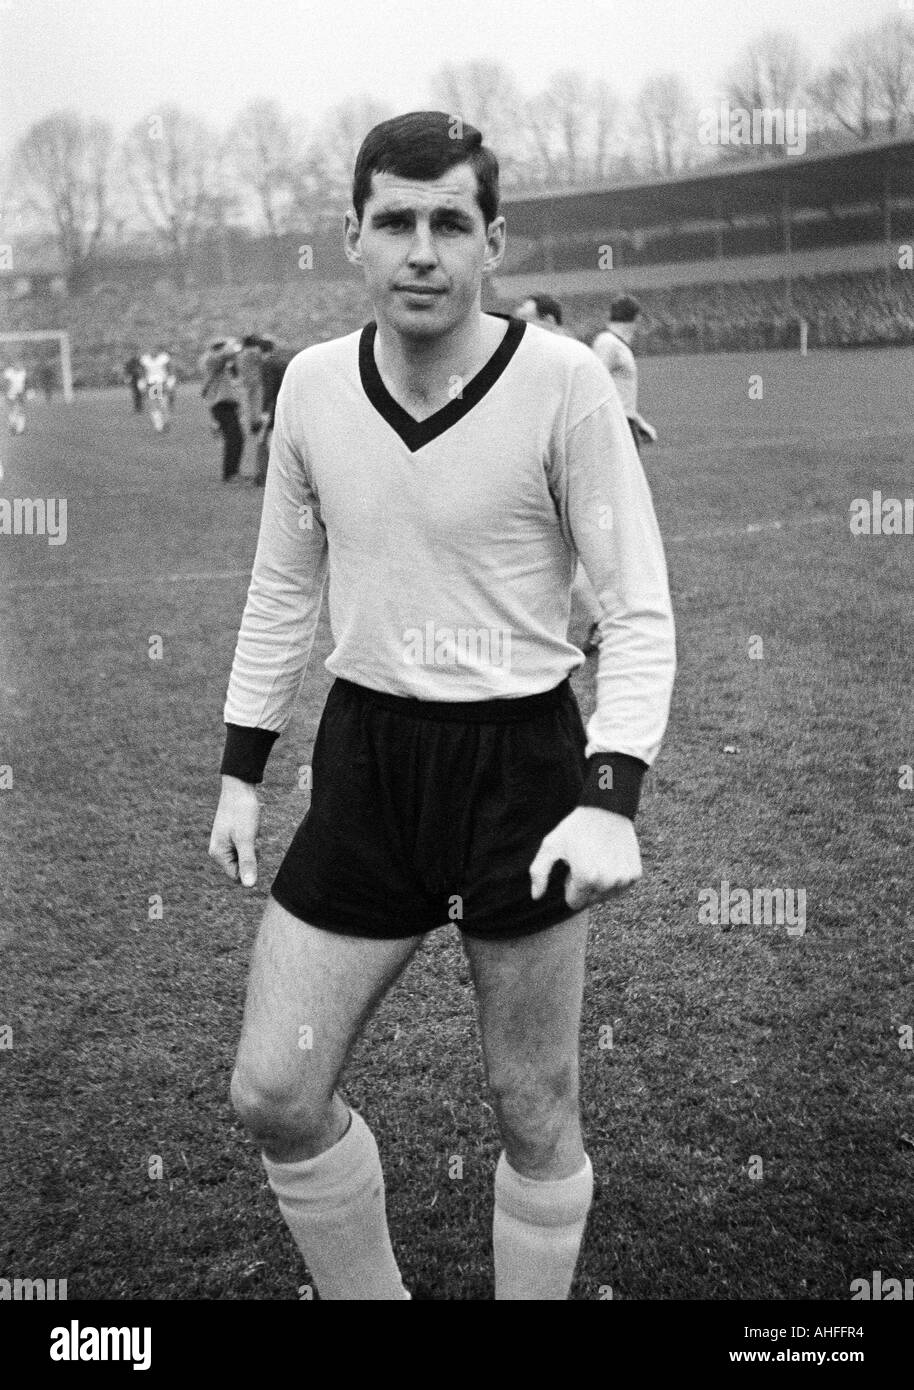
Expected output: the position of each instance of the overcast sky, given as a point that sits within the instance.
(119, 59)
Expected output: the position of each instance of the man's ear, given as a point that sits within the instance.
(351, 233)
(495, 245)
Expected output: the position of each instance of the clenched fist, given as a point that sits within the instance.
(601, 851)
(232, 843)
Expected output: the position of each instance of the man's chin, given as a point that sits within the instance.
(419, 323)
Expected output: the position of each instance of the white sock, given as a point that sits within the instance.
(334, 1206)
(537, 1231)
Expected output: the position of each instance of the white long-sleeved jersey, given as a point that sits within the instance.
(451, 544)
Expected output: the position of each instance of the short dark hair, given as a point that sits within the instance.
(625, 309)
(547, 307)
(424, 145)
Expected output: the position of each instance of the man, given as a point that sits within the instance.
(161, 383)
(445, 464)
(47, 378)
(250, 376)
(275, 362)
(613, 347)
(584, 622)
(220, 392)
(133, 375)
(583, 625)
(542, 310)
(15, 378)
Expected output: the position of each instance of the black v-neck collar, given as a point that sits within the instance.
(416, 433)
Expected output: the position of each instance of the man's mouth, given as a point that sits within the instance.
(419, 289)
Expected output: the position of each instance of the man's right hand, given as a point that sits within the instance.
(232, 843)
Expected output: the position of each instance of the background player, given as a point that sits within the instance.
(249, 363)
(542, 310)
(133, 375)
(273, 368)
(584, 623)
(160, 384)
(613, 347)
(220, 391)
(410, 458)
(15, 378)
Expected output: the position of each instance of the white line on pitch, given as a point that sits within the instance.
(86, 579)
(722, 532)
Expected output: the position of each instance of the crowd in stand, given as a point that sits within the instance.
(849, 310)
(841, 310)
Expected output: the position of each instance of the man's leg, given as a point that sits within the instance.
(309, 993)
(236, 438)
(263, 456)
(529, 991)
(225, 414)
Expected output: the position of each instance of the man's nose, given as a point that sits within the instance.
(422, 247)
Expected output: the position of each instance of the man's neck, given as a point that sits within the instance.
(623, 331)
(423, 374)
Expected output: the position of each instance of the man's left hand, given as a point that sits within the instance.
(601, 851)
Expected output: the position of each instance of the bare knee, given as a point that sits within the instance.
(285, 1121)
(538, 1115)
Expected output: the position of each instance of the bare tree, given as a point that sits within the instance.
(485, 95)
(893, 68)
(869, 88)
(262, 150)
(665, 126)
(771, 72)
(571, 128)
(174, 166)
(64, 163)
(323, 177)
(770, 75)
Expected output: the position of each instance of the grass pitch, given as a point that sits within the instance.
(752, 1124)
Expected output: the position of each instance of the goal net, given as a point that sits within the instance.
(47, 335)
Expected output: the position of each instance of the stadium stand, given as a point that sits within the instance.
(722, 260)
(850, 310)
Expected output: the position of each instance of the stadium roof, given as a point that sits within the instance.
(857, 175)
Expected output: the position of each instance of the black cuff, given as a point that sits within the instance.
(246, 752)
(613, 782)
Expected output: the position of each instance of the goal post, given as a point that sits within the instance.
(45, 335)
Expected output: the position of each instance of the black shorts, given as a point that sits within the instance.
(429, 812)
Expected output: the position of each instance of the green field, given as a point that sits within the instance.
(730, 1045)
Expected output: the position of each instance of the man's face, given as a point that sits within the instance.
(424, 245)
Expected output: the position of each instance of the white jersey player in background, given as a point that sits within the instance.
(14, 380)
(613, 347)
(161, 381)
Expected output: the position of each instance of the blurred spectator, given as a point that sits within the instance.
(275, 362)
(220, 391)
(47, 377)
(134, 377)
(250, 366)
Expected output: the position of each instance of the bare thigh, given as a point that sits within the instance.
(309, 993)
(529, 992)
